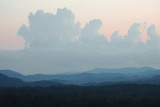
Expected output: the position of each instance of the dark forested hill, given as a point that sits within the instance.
(117, 95)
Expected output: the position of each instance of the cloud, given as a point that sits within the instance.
(154, 38)
(90, 37)
(134, 33)
(48, 30)
(56, 43)
(128, 43)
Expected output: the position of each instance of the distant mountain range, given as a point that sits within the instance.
(92, 77)
(6, 81)
(13, 74)
(126, 70)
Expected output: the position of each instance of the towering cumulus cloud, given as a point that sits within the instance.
(56, 43)
(48, 30)
(154, 38)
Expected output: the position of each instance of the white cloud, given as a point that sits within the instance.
(154, 38)
(48, 30)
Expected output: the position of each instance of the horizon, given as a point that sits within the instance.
(87, 71)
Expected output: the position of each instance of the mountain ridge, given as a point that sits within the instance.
(6, 81)
(103, 75)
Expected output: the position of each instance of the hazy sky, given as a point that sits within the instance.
(70, 35)
(115, 15)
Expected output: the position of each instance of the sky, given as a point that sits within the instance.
(55, 36)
